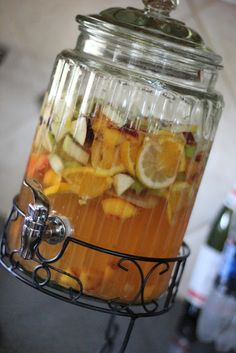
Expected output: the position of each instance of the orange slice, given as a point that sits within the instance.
(119, 208)
(125, 152)
(159, 161)
(112, 137)
(99, 123)
(106, 159)
(85, 182)
(129, 151)
(69, 282)
(58, 188)
(51, 178)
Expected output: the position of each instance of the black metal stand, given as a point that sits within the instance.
(114, 306)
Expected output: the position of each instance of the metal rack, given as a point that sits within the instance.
(114, 307)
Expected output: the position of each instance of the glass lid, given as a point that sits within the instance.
(154, 25)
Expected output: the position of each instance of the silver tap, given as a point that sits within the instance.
(40, 225)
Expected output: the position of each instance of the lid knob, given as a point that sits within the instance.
(164, 6)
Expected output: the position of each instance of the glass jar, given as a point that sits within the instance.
(124, 135)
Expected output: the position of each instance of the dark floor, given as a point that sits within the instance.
(32, 322)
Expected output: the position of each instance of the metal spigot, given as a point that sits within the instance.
(40, 225)
(33, 228)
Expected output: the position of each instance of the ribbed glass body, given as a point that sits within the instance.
(120, 150)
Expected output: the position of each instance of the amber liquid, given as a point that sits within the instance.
(148, 234)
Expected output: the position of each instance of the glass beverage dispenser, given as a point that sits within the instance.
(124, 135)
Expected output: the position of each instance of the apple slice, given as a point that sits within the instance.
(48, 141)
(75, 151)
(122, 182)
(56, 163)
(44, 138)
(79, 130)
(60, 128)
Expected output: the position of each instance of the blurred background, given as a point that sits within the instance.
(33, 32)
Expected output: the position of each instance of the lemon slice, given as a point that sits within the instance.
(159, 161)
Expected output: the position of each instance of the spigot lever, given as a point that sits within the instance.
(40, 225)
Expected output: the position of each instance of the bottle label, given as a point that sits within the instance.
(204, 273)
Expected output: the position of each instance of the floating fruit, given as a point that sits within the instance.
(182, 163)
(99, 123)
(189, 138)
(137, 187)
(58, 188)
(85, 182)
(190, 150)
(112, 137)
(75, 151)
(147, 200)
(106, 159)
(179, 196)
(122, 182)
(161, 134)
(56, 163)
(102, 156)
(38, 163)
(79, 130)
(51, 178)
(158, 161)
(60, 127)
(72, 164)
(48, 141)
(125, 152)
(96, 153)
(194, 168)
(119, 208)
(69, 282)
(44, 138)
(116, 169)
(91, 279)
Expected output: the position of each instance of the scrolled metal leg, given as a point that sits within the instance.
(127, 336)
(110, 335)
